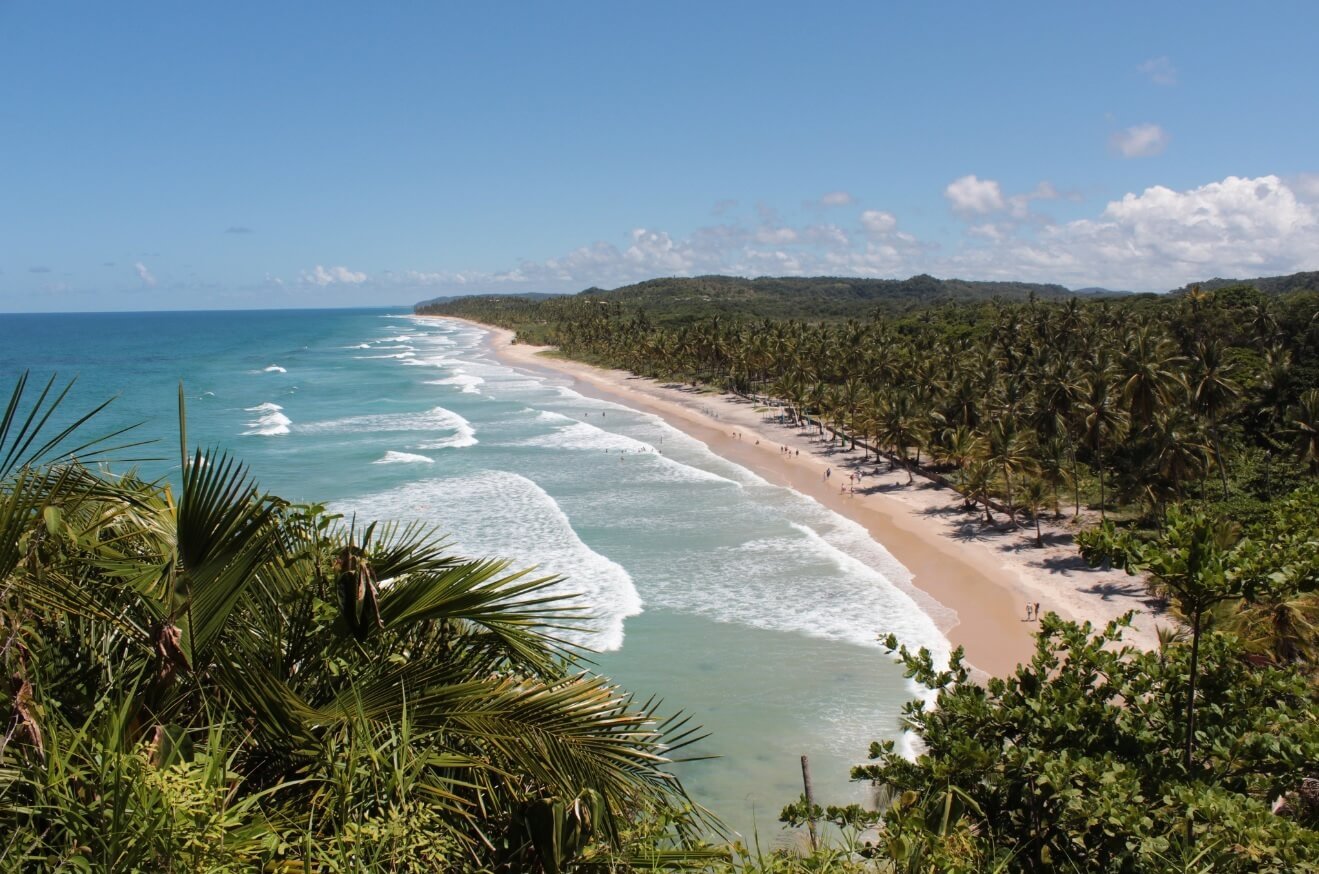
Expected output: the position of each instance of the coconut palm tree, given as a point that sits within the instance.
(1213, 390)
(1007, 449)
(1303, 428)
(1102, 418)
(1150, 375)
(216, 604)
(1035, 495)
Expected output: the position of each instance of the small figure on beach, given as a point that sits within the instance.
(828, 472)
(1037, 611)
(1028, 612)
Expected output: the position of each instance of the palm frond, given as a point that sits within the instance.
(22, 435)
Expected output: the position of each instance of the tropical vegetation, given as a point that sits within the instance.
(204, 677)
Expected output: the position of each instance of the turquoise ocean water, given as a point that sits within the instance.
(748, 605)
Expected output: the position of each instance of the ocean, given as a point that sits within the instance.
(747, 605)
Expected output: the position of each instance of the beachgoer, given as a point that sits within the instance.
(1037, 611)
(1028, 616)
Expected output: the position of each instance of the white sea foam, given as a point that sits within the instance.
(275, 368)
(504, 514)
(391, 355)
(271, 423)
(466, 381)
(392, 457)
(432, 420)
(359, 346)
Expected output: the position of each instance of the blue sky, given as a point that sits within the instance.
(162, 155)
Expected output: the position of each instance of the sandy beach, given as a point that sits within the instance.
(986, 574)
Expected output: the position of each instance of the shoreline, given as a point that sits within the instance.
(986, 575)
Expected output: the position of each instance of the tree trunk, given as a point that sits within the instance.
(1099, 452)
(1222, 467)
(1189, 751)
(1007, 481)
(1076, 485)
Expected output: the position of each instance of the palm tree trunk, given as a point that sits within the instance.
(1007, 480)
(1189, 751)
(1222, 467)
(1076, 484)
(1099, 452)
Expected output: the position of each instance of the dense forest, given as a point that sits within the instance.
(1181, 435)
(674, 301)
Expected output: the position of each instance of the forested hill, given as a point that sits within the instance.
(821, 296)
(677, 300)
(1304, 281)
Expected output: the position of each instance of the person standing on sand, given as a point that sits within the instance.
(1037, 611)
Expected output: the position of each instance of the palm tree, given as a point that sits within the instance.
(1008, 450)
(219, 602)
(1179, 452)
(1036, 497)
(1303, 426)
(1150, 373)
(1213, 390)
(978, 486)
(1102, 419)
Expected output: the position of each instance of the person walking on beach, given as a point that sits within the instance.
(1037, 611)
(1028, 614)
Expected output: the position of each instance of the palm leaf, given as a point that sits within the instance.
(516, 612)
(22, 440)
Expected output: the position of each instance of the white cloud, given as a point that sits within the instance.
(1159, 70)
(779, 236)
(972, 196)
(877, 223)
(837, 198)
(1140, 141)
(1162, 239)
(1153, 240)
(323, 276)
(144, 274)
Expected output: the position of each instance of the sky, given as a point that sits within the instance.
(237, 155)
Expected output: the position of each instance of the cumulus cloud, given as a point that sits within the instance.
(237, 229)
(1161, 238)
(877, 223)
(971, 195)
(1139, 141)
(1153, 240)
(323, 276)
(1158, 70)
(837, 198)
(148, 279)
